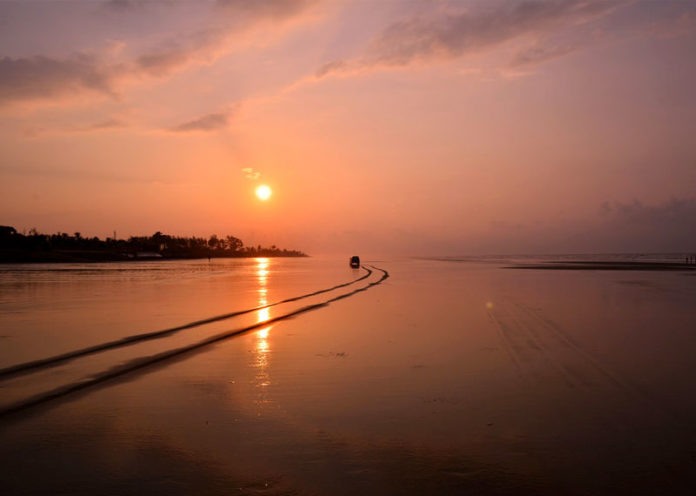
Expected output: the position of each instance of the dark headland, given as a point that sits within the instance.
(36, 247)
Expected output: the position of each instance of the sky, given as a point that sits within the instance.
(382, 127)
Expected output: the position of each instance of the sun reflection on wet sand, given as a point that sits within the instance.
(261, 349)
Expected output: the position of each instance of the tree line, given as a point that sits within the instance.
(35, 246)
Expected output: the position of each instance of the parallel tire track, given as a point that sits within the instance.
(143, 362)
(32, 366)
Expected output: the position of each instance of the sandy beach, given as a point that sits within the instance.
(443, 378)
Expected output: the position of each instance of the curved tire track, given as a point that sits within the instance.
(44, 363)
(141, 363)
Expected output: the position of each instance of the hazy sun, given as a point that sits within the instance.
(263, 192)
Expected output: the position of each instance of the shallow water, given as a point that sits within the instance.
(446, 378)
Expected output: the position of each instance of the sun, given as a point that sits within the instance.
(263, 192)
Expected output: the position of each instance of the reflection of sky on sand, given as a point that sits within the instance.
(261, 350)
(415, 387)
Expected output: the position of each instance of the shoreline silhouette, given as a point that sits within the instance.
(36, 247)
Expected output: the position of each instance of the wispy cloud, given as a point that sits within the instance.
(123, 5)
(449, 36)
(43, 77)
(210, 122)
(679, 210)
(26, 170)
(206, 44)
(537, 54)
(173, 54)
(39, 76)
(274, 9)
(667, 226)
(250, 173)
(48, 128)
(103, 125)
(619, 228)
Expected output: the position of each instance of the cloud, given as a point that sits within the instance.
(335, 66)
(87, 173)
(633, 227)
(45, 77)
(250, 173)
(204, 44)
(274, 9)
(454, 35)
(639, 227)
(536, 55)
(109, 124)
(176, 53)
(103, 125)
(677, 210)
(210, 122)
(123, 5)
(162, 63)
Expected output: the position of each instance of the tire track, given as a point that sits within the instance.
(555, 365)
(139, 364)
(534, 341)
(44, 363)
(627, 387)
(502, 333)
(530, 354)
(567, 342)
(610, 382)
(542, 351)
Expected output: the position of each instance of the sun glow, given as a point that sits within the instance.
(263, 192)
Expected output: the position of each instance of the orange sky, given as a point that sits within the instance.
(382, 127)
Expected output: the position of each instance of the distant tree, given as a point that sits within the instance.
(6, 231)
(234, 244)
(213, 242)
(35, 246)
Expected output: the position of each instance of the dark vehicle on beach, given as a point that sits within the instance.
(355, 261)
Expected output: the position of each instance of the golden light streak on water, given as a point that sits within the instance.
(262, 347)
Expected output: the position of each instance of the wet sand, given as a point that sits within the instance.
(445, 378)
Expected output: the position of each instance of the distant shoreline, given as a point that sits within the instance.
(35, 247)
(100, 257)
(595, 265)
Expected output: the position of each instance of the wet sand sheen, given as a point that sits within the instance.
(143, 362)
(27, 367)
(447, 378)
